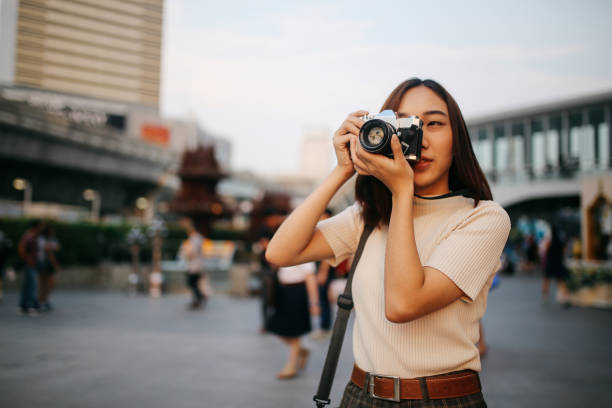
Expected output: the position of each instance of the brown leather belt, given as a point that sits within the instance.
(442, 386)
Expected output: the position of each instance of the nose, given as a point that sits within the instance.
(425, 141)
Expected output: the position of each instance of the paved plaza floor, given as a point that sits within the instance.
(105, 349)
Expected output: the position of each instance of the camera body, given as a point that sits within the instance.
(375, 134)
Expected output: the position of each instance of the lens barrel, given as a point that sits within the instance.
(375, 137)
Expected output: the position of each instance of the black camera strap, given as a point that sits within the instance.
(345, 305)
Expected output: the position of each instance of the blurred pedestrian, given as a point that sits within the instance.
(48, 266)
(297, 298)
(267, 272)
(191, 253)
(5, 245)
(531, 253)
(28, 252)
(555, 269)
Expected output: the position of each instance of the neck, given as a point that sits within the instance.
(431, 191)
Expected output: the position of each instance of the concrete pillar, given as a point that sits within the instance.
(545, 128)
(491, 138)
(528, 147)
(584, 123)
(510, 144)
(608, 121)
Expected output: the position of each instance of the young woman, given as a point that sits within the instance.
(420, 287)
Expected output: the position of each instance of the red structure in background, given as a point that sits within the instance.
(197, 197)
(274, 204)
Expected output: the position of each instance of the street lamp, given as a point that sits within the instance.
(94, 197)
(145, 206)
(23, 184)
(142, 203)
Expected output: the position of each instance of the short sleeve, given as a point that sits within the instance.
(342, 233)
(471, 252)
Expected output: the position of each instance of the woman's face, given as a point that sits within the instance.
(431, 172)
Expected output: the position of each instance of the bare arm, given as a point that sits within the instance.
(298, 240)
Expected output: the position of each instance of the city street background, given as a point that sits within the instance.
(100, 349)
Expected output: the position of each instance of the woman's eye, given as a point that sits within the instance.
(434, 123)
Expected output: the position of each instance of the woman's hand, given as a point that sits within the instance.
(350, 127)
(395, 173)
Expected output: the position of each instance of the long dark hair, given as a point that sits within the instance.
(464, 174)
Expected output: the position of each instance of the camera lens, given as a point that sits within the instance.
(375, 136)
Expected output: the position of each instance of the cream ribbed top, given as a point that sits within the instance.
(463, 242)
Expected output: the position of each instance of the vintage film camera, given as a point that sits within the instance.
(375, 134)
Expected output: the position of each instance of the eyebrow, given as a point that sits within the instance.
(429, 112)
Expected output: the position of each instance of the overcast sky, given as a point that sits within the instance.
(258, 73)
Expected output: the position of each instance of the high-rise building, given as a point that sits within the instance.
(102, 49)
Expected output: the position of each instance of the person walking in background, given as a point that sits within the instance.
(48, 265)
(267, 272)
(5, 245)
(28, 251)
(191, 253)
(531, 253)
(297, 298)
(554, 267)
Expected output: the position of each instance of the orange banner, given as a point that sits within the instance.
(156, 134)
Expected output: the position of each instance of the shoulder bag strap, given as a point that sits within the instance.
(345, 305)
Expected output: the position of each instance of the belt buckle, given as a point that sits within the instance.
(396, 387)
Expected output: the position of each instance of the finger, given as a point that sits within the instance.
(356, 121)
(365, 156)
(396, 148)
(359, 113)
(349, 127)
(355, 155)
(361, 171)
(342, 140)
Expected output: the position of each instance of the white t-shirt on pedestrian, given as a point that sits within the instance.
(288, 275)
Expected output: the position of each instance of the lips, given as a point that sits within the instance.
(421, 164)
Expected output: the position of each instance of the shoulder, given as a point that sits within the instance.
(350, 215)
(490, 214)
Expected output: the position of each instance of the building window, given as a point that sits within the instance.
(518, 150)
(552, 148)
(538, 141)
(484, 151)
(574, 142)
(501, 154)
(587, 147)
